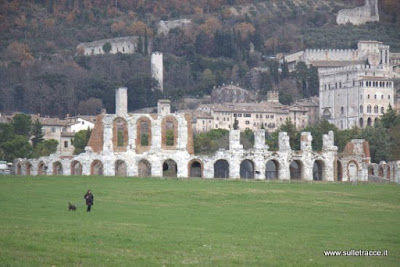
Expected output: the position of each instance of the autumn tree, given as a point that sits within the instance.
(19, 52)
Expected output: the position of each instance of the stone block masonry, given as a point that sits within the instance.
(116, 148)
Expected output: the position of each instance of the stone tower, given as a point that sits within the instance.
(157, 69)
(121, 101)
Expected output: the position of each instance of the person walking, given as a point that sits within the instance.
(89, 200)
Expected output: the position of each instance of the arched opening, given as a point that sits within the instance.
(57, 168)
(296, 170)
(28, 168)
(170, 168)
(143, 138)
(272, 169)
(221, 169)
(318, 170)
(339, 171)
(371, 171)
(195, 169)
(19, 169)
(361, 122)
(388, 172)
(120, 134)
(76, 168)
(169, 135)
(144, 168)
(369, 122)
(96, 168)
(120, 168)
(380, 171)
(247, 169)
(42, 168)
(352, 170)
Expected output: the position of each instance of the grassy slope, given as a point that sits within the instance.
(174, 222)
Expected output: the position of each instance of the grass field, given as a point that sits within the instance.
(172, 222)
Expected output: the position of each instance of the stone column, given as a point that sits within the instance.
(283, 155)
(329, 151)
(306, 149)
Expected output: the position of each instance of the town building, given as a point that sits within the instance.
(355, 95)
(268, 115)
(124, 45)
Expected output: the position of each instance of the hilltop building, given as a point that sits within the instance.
(124, 45)
(359, 15)
(356, 86)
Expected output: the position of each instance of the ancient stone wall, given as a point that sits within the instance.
(104, 155)
(359, 15)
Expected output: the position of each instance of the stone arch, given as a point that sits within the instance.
(144, 168)
(96, 168)
(170, 168)
(195, 168)
(28, 168)
(319, 170)
(57, 168)
(120, 134)
(272, 169)
(120, 168)
(247, 169)
(339, 171)
(42, 168)
(296, 170)
(19, 169)
(352, 170)
(380, 171)
(371, 171)
(388, 172)
(221, 169)
(369, 122)
(169, 133)
(361, 122)
(143, 134)
(76, 168)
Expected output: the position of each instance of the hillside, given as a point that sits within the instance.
(40, 72)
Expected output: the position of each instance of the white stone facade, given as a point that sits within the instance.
(359, 15)
(127, 144)
(124, 45)
(355, 95)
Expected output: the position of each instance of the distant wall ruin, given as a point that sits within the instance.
(359, 15)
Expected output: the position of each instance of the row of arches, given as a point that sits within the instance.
(169, 133)
(383, 171)
(195, 169)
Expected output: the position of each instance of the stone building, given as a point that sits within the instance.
(355, 95)
(359, 15)
(124, 45)
(269, 115)
(372, 52)
(231, 94)
(161, 145)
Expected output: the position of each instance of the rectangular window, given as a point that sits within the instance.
(53, 129)
(247, 115)
(65, 143)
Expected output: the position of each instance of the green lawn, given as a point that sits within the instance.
(174, 222)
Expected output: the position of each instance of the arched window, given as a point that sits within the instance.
(369, 96)
(120, 134)
(143, 135)
(376, 109)
(369, 109)
(382, 110)
(361, 109)
(169, 132)
(341, 110)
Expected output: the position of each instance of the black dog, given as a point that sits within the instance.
(71, 207)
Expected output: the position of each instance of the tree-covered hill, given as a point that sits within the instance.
(41, 73)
